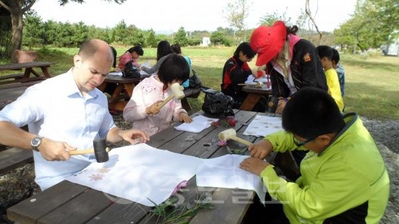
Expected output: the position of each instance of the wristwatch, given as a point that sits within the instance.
(35, 143)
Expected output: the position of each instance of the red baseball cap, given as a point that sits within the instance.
(267, 41)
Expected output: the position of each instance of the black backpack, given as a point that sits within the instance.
(130, 71)
(217, 104)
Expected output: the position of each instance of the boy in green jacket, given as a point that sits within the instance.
(343, 176)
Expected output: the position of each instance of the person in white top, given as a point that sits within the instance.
(65, 113)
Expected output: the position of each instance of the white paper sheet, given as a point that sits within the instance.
(263, 125)
(225, 172)
(250, 80)
(261, 79)
(139, 173)
(198, 124)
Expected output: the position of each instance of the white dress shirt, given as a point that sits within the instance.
(55, 109)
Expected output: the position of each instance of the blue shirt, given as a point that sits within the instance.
(341, 77)
(55, 109)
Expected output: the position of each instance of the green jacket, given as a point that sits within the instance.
(347, 181)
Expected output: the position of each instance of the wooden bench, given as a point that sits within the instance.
(12, 158)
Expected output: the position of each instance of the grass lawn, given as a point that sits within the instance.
(372, 83)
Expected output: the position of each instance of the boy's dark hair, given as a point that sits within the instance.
(324, 51)
(138, 49)
(246, 50)
(335, 56)
(163, 49)
(175, 67)
(312, 112)
(176, 48)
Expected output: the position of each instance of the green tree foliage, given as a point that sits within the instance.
(269, 19)
(181, 37)
(34, 31)
(372, 25)
(16, 9)
(151, 41)
(219, 38)
(236, 13)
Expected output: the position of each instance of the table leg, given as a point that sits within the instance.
(45, 71)
(27, 73)
(117, 101)
(250, 101)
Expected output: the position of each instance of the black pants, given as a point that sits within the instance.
(272, 213)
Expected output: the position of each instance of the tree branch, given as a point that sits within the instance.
(307, 10)
(26, 8)
(5, 6)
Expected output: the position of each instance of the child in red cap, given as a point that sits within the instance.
(292, 62)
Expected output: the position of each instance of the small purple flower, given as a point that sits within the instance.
(180, 186)
(222, 143)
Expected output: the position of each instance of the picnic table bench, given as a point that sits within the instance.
(25, 77)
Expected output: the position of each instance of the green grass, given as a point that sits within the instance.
(372, 86)
(372, 82)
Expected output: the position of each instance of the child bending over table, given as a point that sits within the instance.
(143, 110)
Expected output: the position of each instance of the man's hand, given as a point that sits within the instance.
(254, 165)
(55, 151)
(134, 136)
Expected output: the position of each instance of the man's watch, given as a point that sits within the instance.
(35, 143)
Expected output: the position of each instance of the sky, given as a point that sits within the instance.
(168, 16)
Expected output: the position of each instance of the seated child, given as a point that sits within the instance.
(142, 109)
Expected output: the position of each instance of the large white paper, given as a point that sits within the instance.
(263, 125)
(225, 172)
(139, 173)
(198, 124)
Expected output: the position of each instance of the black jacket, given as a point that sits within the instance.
(306, 70)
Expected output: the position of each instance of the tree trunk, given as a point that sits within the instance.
(17, 8)
(16, 27)
(16, 32)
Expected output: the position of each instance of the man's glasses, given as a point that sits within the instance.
(302, 143)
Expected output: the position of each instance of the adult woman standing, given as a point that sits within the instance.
(292, 62)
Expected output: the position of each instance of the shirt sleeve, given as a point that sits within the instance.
(236, 73)
(135, 108)
(155, 68)
(123, 59)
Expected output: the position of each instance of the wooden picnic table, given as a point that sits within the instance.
(68, 202)
(254, 95)
(118, 98)
(28, 70)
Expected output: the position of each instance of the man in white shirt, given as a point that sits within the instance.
(65, 113)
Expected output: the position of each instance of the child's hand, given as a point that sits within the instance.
(253, 165)
(185, 118)
(261, 149)
(153, 109)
